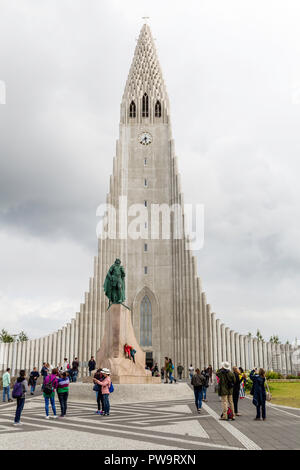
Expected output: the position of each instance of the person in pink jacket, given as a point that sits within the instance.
(105, 385)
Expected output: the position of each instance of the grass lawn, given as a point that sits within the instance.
(287, 394)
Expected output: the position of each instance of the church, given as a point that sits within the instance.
(170, 313)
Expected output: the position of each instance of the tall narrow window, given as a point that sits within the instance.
(132, 110)
(157, 109)
(145, 183)
(145, 106)
(146, 203)
(146, 270)
(146, 322)
(145, 247)
(145, 161)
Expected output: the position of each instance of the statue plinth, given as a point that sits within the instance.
(119, 331)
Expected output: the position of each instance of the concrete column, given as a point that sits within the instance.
(76, 340)
(219, 343)
(242, 351)
(72, 340)
(255, 350)
(247, 352)
(260, 352)
(205, 333)
(32, 351)
(265, 355)
(209, 336)
(59, 351)
(214, 338)
(237, 349)
(224, 353)
(68, 334)
(288, 359)
(228, 346)
(232, 347)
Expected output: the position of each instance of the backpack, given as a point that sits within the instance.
(17, 390)
(229, 413)
(111, 388)
(48, 388)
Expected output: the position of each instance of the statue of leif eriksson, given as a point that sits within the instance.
(114, 285)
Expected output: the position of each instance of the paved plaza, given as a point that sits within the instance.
(163, 425)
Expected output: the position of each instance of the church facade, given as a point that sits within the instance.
(170, 313)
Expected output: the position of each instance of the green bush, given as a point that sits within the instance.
(271, 375)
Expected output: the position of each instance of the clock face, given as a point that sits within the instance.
(145, 138)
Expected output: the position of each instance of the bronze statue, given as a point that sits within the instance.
(114, 285)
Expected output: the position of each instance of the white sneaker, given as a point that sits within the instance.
(47, 417)
(54, 417)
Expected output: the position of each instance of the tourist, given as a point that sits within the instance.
(91, 365)
(171, 371)
(99, 395)
(75, 366)
(166, 369)
(44, 371)
(180, 369)
(49, 387)
(65, 366)
(259, 393)
(209, 370)
(162, 373)
(198, 382)
(205, 374)
(127, 351)
(243, 380)
(19, 392)
(6, 385)
(34, 375)
(225, 390)
(236, 390)
(155, 371)
(63, 392)
(132, 353)
(105, 386)
(191, 371)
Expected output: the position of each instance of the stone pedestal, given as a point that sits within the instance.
(118, 331)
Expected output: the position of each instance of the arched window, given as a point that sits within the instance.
(145, 106)
(146, 322)
(132, 110)
(157, 109)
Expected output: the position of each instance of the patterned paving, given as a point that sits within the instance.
(174, 424)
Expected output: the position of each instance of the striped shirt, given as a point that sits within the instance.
(63, 385)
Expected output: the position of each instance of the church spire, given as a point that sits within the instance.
(145, 94)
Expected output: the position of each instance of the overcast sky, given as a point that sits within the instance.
(232, 71)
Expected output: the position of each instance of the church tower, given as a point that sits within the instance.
(169, 310)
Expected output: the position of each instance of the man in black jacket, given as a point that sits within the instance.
(92, 365)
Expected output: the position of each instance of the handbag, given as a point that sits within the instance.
(97, 388)
(268, 394)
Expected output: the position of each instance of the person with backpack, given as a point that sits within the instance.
(34, 375)
(206, 385)
(225, 391)
(198, 382)
(166, 369)
(19, 393)
(106, 388)
(49, 387)
(63, 392)
(259, 393)
(65, 366)
(44, 371)
(6, 385)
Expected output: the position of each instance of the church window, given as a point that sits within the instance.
(146, 270)
(132, 110)
(146, 322)
(145, 183)
(145, 106)
(145, 161)
(146, 203)
(158, 109)
(145, 247)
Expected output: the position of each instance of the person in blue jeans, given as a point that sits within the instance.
(52, 381)
(21, 399)
(34, 375)
(6, 385)
(198, 382)
(205, 387)
(259, 393)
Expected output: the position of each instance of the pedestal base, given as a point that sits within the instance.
(118, 332)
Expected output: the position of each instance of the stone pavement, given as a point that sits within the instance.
(163, 425)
